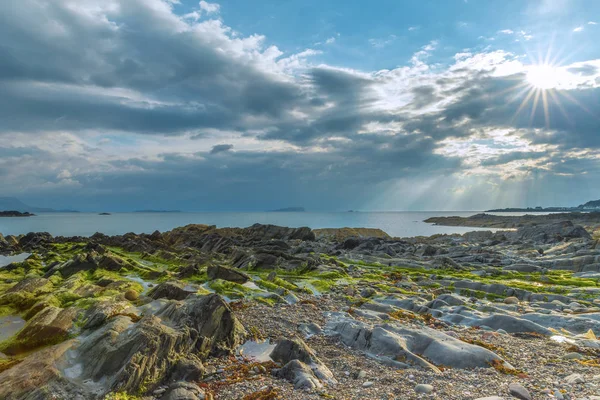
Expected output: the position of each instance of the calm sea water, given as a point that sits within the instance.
(401, 224)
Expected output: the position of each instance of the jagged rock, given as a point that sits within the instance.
(170, 290)
(101, 312)
(189, 368)
(128, 356)
(227, 274)
(288, 350)
(48, 326)
(512, 324)
(218, 329)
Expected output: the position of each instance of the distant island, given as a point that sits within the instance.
(593, 205)
(13, 213)
(14, 204)
(289, 209)
(157, 211)
(104, 213)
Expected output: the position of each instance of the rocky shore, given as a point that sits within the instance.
(15, 214)
(269, 312)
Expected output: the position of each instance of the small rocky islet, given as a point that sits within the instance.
(269, 312)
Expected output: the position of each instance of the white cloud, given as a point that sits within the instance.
(506, 31)
(381, 43)
(578, 29)
(592, 23)
(209, 8)
(331, 40)
(413, 28)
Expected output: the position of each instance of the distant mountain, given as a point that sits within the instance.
(290, 209)
(591, 205)
(14, 204)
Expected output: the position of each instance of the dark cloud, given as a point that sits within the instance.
(220, 148)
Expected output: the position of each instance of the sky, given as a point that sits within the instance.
(120, 105)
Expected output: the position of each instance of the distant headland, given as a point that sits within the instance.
(593, 205)
(15, 214)
(14, 204)
(290, 209)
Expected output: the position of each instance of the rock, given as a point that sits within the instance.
(131, 295)
(48, 326)
(299, 374)
(367, 384)
(528, 268)
(512, 324)
(295, 349)
(518, 391)
(411, 345)
(170, 290)
(424, 388)
(227, 274)
(184, 391)
(189, 368)
(572, 356)
(368, 292)
(490, 398)
(310, 329)
(574, 378)
(511, 300)
(362, 374)
(23, 294)
(100, 312)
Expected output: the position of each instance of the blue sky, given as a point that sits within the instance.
(332, 105)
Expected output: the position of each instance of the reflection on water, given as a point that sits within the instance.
(258, 351)
(5, 260)
(9, 325)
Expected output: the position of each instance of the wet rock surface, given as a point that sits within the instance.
(351, 313)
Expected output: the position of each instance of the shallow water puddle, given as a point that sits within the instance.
(252, 285)
(5, 260)
(145, 284)
(258, 351)
(9, 325)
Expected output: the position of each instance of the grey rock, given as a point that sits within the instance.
(518, 391)
(227, 274)
(423, 388)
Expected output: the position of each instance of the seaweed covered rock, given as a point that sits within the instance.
(24, 294)
(48, 326)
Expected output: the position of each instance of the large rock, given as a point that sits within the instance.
(24, 294)
(302, 367)
(227, 274)
(130, 357)
(415, 346)
(171, 291)
(48, 326)
(101, 312)
(184, 391)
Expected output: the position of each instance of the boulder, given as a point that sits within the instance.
(413, 345)
(305, 366)
(227, 274)
(170, 290)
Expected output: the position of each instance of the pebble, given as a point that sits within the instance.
(368, 384)
(511, 300)
(490, 398)
(518, 391)
(362, 374)
(573, 356)
(423, 388)
(558, 395)
(574, 378)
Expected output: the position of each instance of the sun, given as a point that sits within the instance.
(543, 76)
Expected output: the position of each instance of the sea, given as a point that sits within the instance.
(399, 224)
